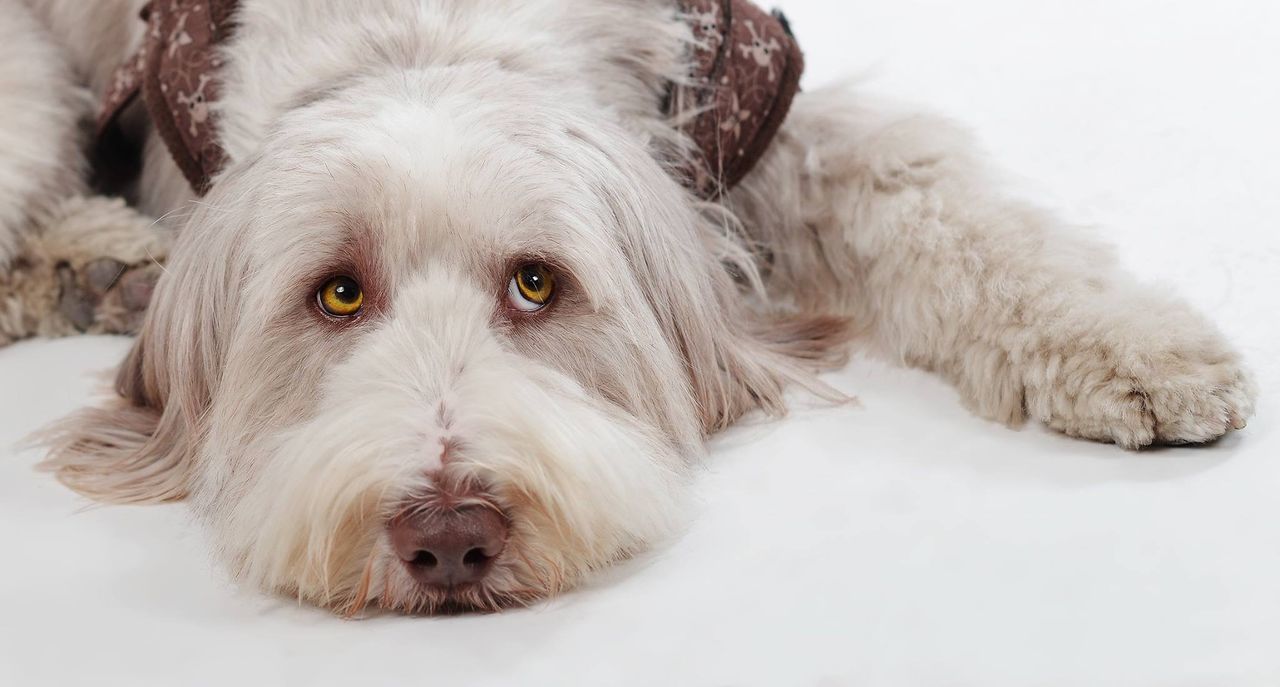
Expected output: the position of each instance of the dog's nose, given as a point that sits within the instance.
(449, 548)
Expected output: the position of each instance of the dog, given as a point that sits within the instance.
(450, 328)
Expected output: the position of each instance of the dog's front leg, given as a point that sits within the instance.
(893, 219)
(41, 107)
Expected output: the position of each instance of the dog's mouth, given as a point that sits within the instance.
(451, 606)
(459, 600)
(403, 593)
(393, 585)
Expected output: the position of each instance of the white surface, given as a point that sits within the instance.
(904, 543)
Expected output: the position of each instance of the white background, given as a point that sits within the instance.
(903, 543)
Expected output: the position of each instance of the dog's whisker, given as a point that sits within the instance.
(361, 596)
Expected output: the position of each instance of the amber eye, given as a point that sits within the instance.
(532, 287)
(340, 297)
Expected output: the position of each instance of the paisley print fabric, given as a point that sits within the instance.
(746, 71)
(176, 73)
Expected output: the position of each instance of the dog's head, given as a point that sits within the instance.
(445, 342)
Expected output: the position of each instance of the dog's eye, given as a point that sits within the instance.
(532, 287)
(340, 297)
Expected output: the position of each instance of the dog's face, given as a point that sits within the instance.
(443, 344)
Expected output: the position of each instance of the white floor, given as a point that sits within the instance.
(903, 543)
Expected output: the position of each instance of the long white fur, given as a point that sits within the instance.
(430, 145)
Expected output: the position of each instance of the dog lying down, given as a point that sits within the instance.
(466, 285)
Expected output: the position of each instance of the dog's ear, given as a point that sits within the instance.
(755, 357)
(127, 450)
(703, 287)
(741, 359)
(139, 446)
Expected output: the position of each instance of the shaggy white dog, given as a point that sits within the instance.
(448, 332)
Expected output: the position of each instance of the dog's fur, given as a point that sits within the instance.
(429, 145)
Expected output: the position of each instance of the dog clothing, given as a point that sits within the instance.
(746, 69)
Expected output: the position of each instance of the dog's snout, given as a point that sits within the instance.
(450, 548)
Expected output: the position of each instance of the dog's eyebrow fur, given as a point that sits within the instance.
(327, 90)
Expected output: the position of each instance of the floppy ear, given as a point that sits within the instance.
(761, 355)
(706, 293)
(139, 446)
(127, 450)
(742, 358)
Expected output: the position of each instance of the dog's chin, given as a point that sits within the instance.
(402, 594)
(457, 602)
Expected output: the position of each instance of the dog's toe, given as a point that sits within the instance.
(1138, 397)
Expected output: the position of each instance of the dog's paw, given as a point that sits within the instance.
(1156, 390)
(107, 261)
(106, 296)
(89, 266)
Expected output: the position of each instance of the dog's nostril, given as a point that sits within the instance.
(425, 559)
(475, 557)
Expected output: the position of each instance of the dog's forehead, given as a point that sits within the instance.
(459, 176)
